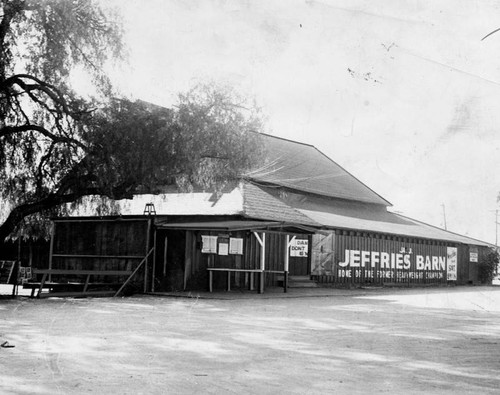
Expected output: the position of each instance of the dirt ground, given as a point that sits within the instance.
(439, 341)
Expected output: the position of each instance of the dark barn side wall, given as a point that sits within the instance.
(329, 259)
(100, 244)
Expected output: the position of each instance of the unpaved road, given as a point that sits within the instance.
(441, 341)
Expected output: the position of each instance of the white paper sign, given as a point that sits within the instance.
(299, 248)
(235, 246)
(209, 244)
(451, 264)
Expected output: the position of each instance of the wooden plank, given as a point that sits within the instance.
(48, 284)
(134, 272)
(224, 269)
(84, 272)
(86, 283)
(75, 294)
(42, 283)
(98, 256)
(121, 219)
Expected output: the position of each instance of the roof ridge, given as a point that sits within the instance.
(282, 138)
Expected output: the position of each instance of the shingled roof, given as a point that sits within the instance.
(261, 205)
(304, 168)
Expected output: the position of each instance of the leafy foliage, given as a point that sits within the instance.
(41, 128)
(56, 147)
(488, 266)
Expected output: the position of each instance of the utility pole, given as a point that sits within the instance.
(444, 216)
(496, 229)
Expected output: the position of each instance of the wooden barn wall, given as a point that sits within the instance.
(328, 254)
(195, 262)
(329, 259)
(467, 270)
(99, 245)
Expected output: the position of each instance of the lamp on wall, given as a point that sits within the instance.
(149, 209)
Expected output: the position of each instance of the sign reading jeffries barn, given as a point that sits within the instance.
(401, 265)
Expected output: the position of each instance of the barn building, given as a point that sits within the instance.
(299, 218)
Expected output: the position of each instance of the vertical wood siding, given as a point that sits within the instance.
(109, 241)
(406, 272)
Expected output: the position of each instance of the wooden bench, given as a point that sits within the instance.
(43, 284)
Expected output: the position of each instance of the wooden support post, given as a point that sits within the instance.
(286, 268)
(251, 284)
(42, 283)
(210, 280)
(148, 235)
(87, 280)
(153, 274)
(228, 281)
(51, 251)
(262, 242)
(165, 250)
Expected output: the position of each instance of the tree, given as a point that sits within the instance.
(205, 141)
(56, 147)
(41, 128)
(488, 266)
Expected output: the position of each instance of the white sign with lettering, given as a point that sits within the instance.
(299, 248)
(451, 264)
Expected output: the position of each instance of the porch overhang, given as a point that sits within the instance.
(240, 225)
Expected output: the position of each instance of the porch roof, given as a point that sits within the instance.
(237, 225)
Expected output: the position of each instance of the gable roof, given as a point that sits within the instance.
(304, 168)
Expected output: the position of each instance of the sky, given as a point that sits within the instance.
(405, 95)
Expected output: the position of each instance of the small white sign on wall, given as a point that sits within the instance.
(299, 248)
(209, 244)
(451, 263)
(235, 246)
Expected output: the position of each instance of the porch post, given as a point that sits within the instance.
(51, 250)
(287, 262)
(262, 242)
(153, 275)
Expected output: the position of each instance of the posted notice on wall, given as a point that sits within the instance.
(236, 246)
(473, 254)
(223, 248)
(451, 264)
(209, 244)
(299, 248)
